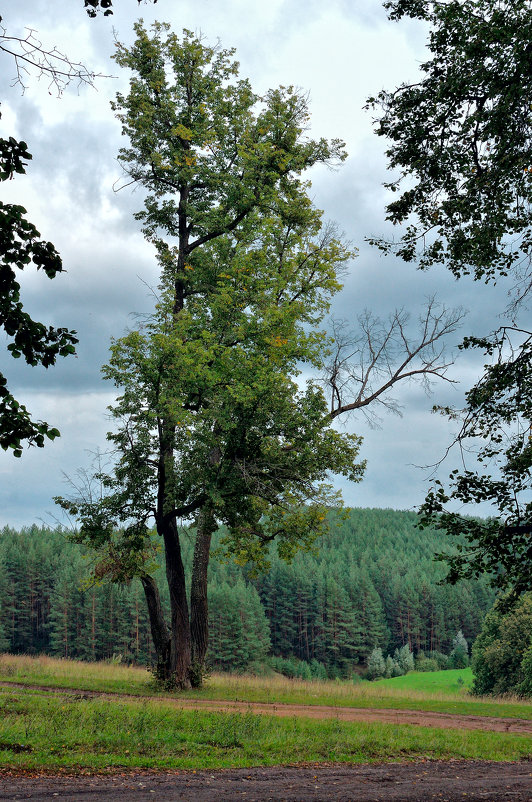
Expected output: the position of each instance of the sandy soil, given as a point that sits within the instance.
(447, 781)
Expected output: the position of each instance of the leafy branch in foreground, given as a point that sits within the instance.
(461, 137)
(20, 245)
(496, 426)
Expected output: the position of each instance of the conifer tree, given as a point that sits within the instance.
(376, 664)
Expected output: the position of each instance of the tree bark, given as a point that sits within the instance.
(175, 670)
(180, 656)
(199, 613)
(159, 630)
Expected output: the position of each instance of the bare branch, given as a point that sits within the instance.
(368, 362)
(32, 57)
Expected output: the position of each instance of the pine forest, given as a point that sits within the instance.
(371, 582)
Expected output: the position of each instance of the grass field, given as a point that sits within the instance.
(454, 682)
(438, 691)
(64, 733)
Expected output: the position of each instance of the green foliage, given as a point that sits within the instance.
(441, 659)
(425, 664)
(459, 657)
(376, 664)
(238, 629)
(498, 417)
(209, 382)
(20, 245)
(47, 606)
(404, 658)
(501, 659)
(461, 138)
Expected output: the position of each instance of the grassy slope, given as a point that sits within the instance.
(452, 682)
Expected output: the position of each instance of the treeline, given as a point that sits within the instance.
(370, 583)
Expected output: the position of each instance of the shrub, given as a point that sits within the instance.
(502, 659)
(459, 657)
(317, 669)
(441, 660)
(397, 671)
(426, 664)
(376, 664)
(303, 670)
(404, 658)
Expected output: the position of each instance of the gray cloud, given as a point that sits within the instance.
(341, 53)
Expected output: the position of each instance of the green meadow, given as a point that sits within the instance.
(56, 731)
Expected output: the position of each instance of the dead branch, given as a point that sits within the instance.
(368, 361)
(33, 58)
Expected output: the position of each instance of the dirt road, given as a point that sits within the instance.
(420, 718)
(429, 781)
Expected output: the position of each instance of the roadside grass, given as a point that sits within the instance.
(69, 734)
(437, 691)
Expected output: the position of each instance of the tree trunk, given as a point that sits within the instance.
(173, 665)
(199, 613)
(179, 665)
(159, 630)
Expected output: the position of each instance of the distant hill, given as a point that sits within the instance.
(371, 581)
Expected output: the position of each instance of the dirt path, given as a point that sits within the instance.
(448, 781)
(420, 718)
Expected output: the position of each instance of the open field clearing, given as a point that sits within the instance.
(69, 732)
(439, 691)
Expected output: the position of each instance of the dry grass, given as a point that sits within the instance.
(62, 673)
(117, 678)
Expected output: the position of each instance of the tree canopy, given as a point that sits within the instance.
(20, 245)
(461, 139)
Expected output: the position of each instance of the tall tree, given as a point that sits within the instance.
(211, 422)
(461, 136)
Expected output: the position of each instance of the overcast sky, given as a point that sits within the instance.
(340, 52)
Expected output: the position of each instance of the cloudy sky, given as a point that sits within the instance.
(340, 52)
